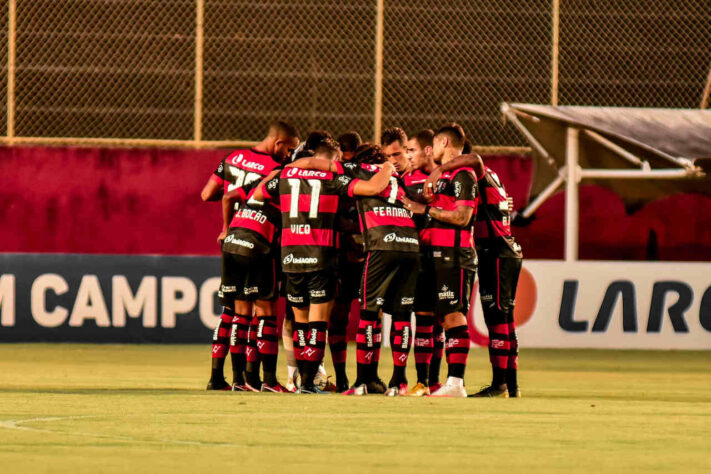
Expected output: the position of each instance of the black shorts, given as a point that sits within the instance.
(425, 300)
(389, 280)
(247, 278)
(453, 288)
(498, 279)
(349, 276)
(303, 289)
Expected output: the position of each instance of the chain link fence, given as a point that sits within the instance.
(211, 72)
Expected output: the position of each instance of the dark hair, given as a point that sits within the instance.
(315, 138)
(327, 145)
(304, 154)
(467, 147)
(454, 132)
(391, 135)
(283, 129)
(349, 141)
(424, 138)
(369, 154)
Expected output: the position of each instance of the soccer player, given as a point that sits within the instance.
(239, 171)
(449, 233)
(429, 335)
(349, 143)
(500, 259)
(350, 268)
(309, 204)
(249, 259)
(389, 275)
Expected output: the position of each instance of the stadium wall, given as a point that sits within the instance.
(114, 245)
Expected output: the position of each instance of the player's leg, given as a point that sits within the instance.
(437, 353)
(454, 293)
(238, 347)
(424, 326)
(221, 335)
(349, 275)
(510, 270)
(496, 321)
(401, 297)
(322, 290)
(287, 335)
(368, 338)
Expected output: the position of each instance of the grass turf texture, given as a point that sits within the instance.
(118, 408)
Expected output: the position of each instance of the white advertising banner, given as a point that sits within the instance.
(612, 305)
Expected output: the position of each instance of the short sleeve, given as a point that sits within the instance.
(270, 189)
(219, 175)
(344, 184)
(464, 189)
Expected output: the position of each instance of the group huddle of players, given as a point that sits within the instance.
(403, 226)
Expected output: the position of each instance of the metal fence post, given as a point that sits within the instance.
(199, 17)
(378, 109)
(11, 24)
(555, 27)
(572, 206)
(707, 92)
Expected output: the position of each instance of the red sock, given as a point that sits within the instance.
(221, 336)
(424, 346)
(268, 347)
(337, 338)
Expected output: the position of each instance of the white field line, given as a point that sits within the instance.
(19, 425)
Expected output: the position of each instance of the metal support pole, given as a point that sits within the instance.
(11, 25)
(707, 91)
(555, 26)
(378, 108)
(544, 195)
(572, 223)
(199, 17)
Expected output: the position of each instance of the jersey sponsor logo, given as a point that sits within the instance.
(391, 237)
(250, 165)
(231, 239)
(343, 179)
(379, 301)
(317, 294)
(251, 290)
(301, 229)
(290, 259)
(407, 300)
(457, 188)
(272, 185)
(295, 299)
(299, 173)
(445, 293)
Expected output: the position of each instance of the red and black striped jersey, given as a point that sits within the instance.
(308, 201)
(384, 221)
(254, 228)
(493, 219)
(414, 185)
(243, 169)
(449, 242)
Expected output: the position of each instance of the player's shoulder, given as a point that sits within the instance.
(465, 172)
(415, 177)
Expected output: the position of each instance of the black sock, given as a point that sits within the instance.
(239, 365)
(499, 377)
(512, 379)
(398, 376)
(217, 372)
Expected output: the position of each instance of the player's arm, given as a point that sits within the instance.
(215, 185)
(212, 190)
(473, 161)
(376, 184)
(268, 187)
(311, 163)
(460, 216)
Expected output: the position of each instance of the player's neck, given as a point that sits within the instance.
(428, 167)
(449, 155)
(263, 146)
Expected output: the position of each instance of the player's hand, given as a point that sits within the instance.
(222, 236)
(388, 167)
(511, 204)
(412, 206)
(429, 186)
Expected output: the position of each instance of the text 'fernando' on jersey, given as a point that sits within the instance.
(309, 205)
(243, 169)
(453, 244)
(384, 221)
(493, 219)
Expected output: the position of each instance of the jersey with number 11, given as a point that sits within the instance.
(309, 205)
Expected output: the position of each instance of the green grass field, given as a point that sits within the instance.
(120, 408)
